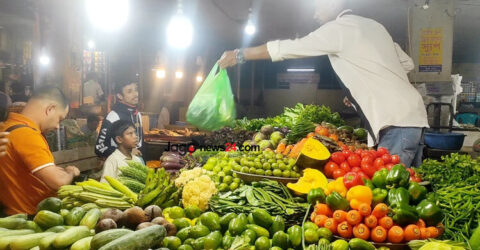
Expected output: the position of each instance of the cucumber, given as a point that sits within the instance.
(70, 236)
(32, 225)
(359, 244)
(101, 239)
(17, 232)
(46, 242)
(57, 229)
(13, 223)
(28, 241)
(91, 218)
(47, 219)
(142, 239)
(23, 216)
(75, 216)
(5, 241)
(83, 244)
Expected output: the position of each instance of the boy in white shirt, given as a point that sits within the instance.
(125, 136)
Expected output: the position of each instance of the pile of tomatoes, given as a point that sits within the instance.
(364, 162)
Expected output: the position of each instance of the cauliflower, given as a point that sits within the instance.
(187, 176)
(198, 192)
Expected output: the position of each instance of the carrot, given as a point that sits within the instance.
(324, 209)
(380, 210)
(354, 217)
(331, 224)
(320, 220)
(386, 222)
(378, 234)
(371, 221)
(434, 232)
(333, 137)
(311, 134)
(340, 216)
(297, 148)
(361, 231)
(421, 223)
(424, 233)
(344, 230)
(441, 228)
(412, 232)
(364, 209)
(287, 150)
(280, 148)
(395, 234)
(321, 131)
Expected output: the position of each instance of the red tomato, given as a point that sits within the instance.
(329, 168)
(389, 166)
(354, 160)
(411, 171)
(368, 169)
(338, 173)
(381, 151)
(386, 158)
(358, 152)
(344, 147)
(415, 179)
(356, 169)
(345, 167)
(363, 175)
(395, 159)
(337, 157)
(347, 153)
(378, 163)
(368, 159)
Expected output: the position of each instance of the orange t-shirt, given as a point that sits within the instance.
(27, 152)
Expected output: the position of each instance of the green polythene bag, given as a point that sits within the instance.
(213, 106)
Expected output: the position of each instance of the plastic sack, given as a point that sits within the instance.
(213, 106)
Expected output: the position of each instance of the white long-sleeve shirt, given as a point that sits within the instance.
(371, 66)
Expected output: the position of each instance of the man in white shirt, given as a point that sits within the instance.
(372, 68)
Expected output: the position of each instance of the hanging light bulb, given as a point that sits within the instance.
(180, 30)
(250, 28)
(108, 14)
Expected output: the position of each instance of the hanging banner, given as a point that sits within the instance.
(431, 49)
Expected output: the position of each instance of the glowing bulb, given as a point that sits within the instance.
(108, 14)
(250, 28)
(199, 78)
(161, 73)
(91, 44)
(44, 60)
(179, 74)
(180, 32)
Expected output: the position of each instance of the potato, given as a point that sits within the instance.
(112, 213)
(105, 224)
(144, 225)
(132, 217)
(152, 212)
(171, 229)
(160, 221)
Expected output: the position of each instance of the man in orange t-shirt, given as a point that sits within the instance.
(28, 173)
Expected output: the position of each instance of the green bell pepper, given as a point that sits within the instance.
(336, 202)
(380, 178)
(404, 214)
(316, 195)
(368, 183)
(379, 195)
(429, 212)
(398, 195)
(398, 176)
(295, 235)
(417, 192)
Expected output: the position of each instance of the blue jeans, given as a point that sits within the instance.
(407, 142)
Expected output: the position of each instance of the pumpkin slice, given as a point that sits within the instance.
(311, 179)
(313, 155)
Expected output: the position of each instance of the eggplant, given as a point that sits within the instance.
(169, 158)
(171, 165)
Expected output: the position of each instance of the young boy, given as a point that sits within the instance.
(125, 136)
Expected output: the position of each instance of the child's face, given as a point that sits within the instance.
(129, 138)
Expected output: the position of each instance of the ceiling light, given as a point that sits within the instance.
(108, 14)
(199, 78)
(179, 74)
(160, 73)
(180, 30)
(301, 70)
(44, 60)
(250, 28)
(91, 44)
